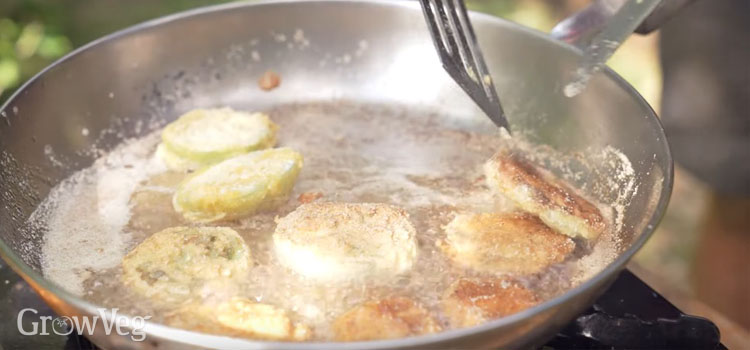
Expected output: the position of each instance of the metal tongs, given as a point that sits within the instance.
(459, 52)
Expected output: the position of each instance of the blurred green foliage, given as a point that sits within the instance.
(25, 48)
(34, 33)
(536, 14)
(31, 37)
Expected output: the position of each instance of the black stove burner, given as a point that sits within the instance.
(630, 315)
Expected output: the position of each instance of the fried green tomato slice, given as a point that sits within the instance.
(240, 317)
(389, 318)
(346, 241)
(177, 263)
(540, 194)
(470, 302)
(504, 243)
(239, 186)
(206, 136)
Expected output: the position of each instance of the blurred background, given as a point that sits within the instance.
(34, 33)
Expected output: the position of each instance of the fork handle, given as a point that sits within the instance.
(662, 13)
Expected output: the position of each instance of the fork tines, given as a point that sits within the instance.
(457, 46)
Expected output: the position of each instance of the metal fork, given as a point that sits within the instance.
(459, 52)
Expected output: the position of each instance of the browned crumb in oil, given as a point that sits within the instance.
(269, 81)
(307, 197)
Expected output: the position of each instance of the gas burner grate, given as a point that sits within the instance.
(631, 315)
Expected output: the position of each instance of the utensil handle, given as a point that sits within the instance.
(581, 27)
(661, 14)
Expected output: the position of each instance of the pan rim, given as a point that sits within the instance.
(201, 339)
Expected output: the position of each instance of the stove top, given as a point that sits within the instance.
(630, 315)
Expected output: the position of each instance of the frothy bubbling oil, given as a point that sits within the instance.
(352, 154)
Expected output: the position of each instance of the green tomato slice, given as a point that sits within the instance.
(239, 186)
(175, 162)
(205, 136)
(176, 263)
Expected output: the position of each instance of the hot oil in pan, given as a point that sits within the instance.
(353, 153)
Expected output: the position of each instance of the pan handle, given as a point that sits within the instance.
(581, 27)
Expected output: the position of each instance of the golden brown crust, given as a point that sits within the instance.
(504, 243)
(555, 203)
(393, 317)
(468, 303)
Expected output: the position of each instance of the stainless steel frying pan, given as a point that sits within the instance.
(369, 51)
